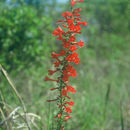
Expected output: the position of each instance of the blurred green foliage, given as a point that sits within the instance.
(23, 36)
(26, 44)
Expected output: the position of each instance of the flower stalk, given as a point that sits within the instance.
(64, 60)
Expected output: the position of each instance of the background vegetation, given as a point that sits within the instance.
(102, 101)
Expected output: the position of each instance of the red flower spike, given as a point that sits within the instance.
(66, 33)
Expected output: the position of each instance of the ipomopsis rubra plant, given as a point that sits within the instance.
(66, 32)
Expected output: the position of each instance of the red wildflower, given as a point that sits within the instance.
(51, 72)
(83, 23)
(59, 115)
(66, 32)
(53, 89)
(68, 110)
(48, 79)
(65, 93)
(80, 43)
(71, 103)
(57, 63)
(67, 117)
(75, 11)
(64, 25)
(71, 71)
(78, 19)
(73, 2)
(65, 77)
(73, 58)
(51, 100)
(66, 44)
(73, 48)
(71, 89)
(55, 55)
(70, 22)
(58, 31)
(67, 14)
(72, 39)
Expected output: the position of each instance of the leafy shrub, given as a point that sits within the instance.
(23, 36)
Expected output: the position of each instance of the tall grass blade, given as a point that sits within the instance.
(107, 99)
(17, 94)
(49, 113)
(121, 117)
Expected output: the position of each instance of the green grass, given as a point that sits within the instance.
(102, 83)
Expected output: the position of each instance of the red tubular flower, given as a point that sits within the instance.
(67, 117)
(83, 23)
(73, 58)
(64, 92)
(51, 72)
(66, 33)
(65, 26)
(71, 71)
(68, 110)
(76, 11)
(73, 2)
(59, 115)
(71, 89)
(78, 19)
(66, 44)
(53, 89)
(67, 14)
(51, 100)
(71, 103)
(57, 63)
(73, 48)
(72, 39)
(80, 44)
(55, 55)
(58, 31)
(48, 79)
